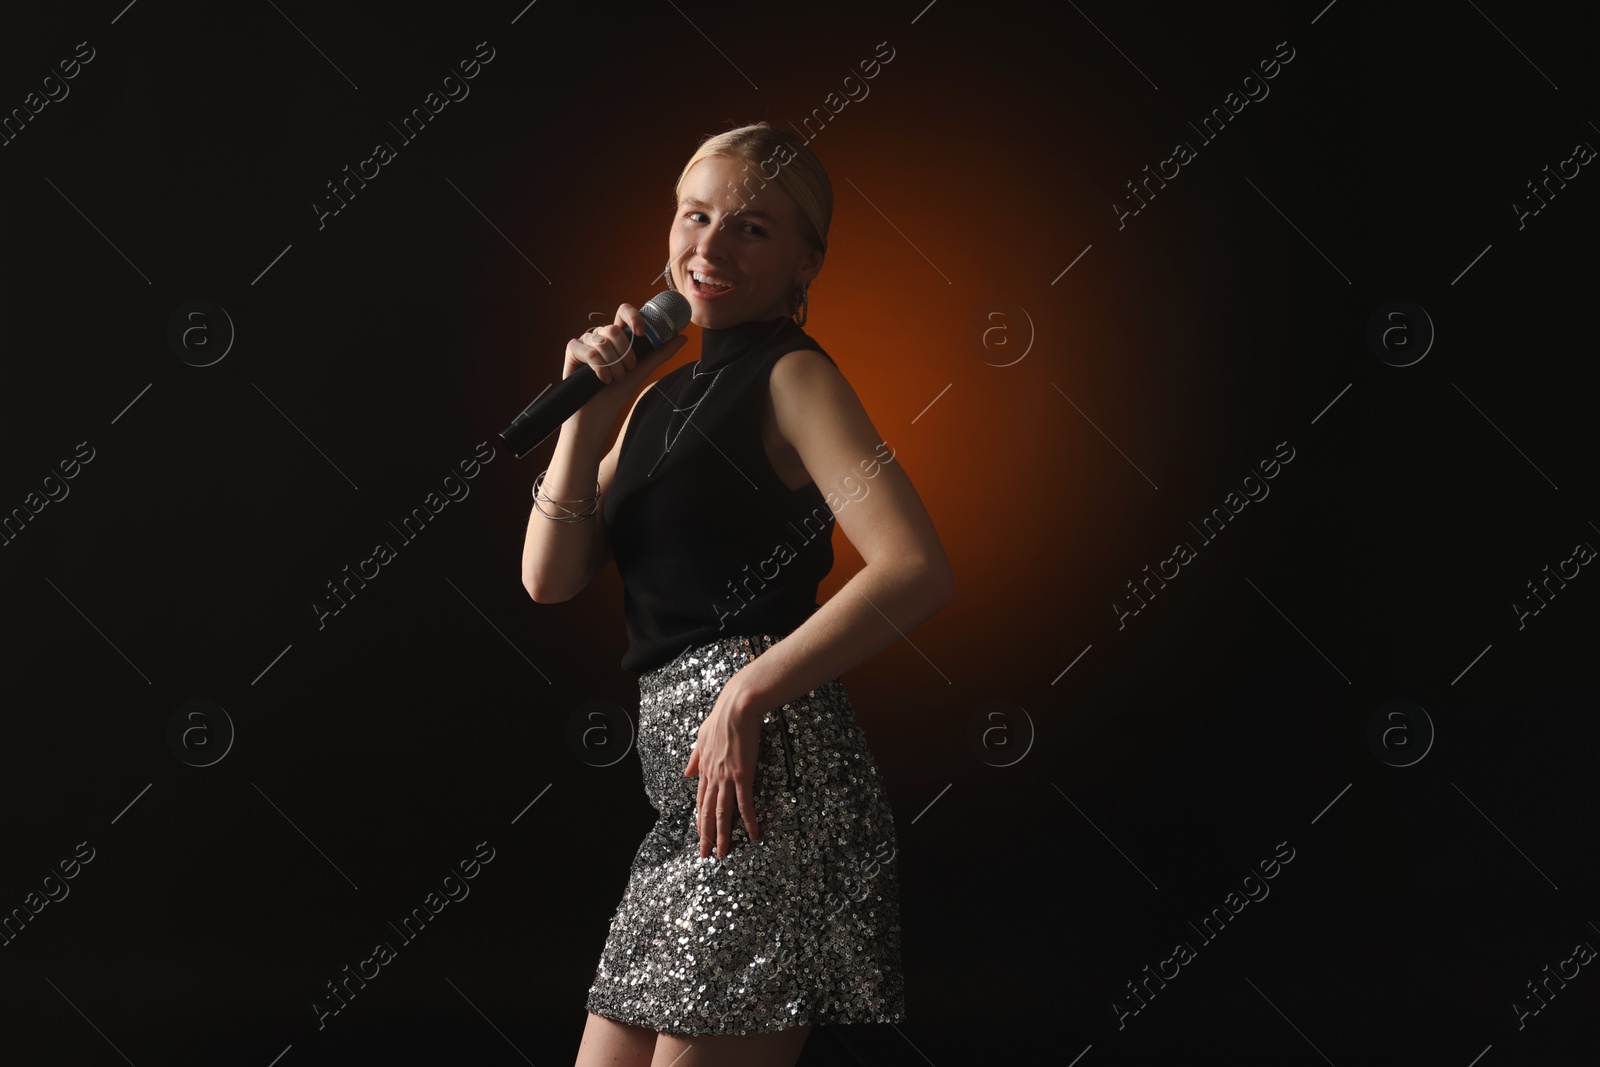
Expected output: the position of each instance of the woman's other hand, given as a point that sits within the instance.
(724, 759)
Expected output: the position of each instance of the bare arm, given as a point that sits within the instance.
(907, 576)
(560, 559)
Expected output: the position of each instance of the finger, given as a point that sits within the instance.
(708, 827)
(582, 352)
(622, 341)
(618, 344)
(607, 353)
(747, 809)
(700, 813)
(688, 771)
(726, 816)
(589, 353)
(633, 319)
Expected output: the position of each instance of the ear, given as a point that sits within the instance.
(810, 267)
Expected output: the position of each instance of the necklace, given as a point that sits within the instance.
(669, 439)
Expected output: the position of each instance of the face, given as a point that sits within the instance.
(730, 226)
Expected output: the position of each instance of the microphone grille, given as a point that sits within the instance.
(668, 312)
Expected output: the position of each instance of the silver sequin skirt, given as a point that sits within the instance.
(801, 927)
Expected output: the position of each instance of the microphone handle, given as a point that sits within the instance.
(556, 405)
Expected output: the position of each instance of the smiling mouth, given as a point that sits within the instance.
(707, 287)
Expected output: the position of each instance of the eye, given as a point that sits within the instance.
(755, 229)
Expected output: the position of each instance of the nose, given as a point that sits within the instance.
(713, 241)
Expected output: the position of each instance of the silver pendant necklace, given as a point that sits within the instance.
(669, 439)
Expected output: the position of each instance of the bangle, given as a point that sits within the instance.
(569, 515)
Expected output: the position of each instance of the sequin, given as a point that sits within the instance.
(801, 927)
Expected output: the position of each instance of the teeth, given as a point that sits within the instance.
(703, 280)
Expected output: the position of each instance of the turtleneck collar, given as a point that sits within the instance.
(723, 345)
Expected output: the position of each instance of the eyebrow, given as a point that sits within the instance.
(690, 201)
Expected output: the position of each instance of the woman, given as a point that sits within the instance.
(765, 900)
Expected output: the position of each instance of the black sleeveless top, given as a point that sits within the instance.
(708, 540)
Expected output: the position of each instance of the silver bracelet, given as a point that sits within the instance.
(570, 515)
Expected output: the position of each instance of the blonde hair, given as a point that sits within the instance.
(800, 172)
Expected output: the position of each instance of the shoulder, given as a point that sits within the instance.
(808, 394)
(803, 366)
(804, 378)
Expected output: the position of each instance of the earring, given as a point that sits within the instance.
(668, 273)
(800, 307)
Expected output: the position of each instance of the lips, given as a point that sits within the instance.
(705, 291)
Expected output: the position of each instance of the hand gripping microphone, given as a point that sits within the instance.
(665, 316)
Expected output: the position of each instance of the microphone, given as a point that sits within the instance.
(665, 316)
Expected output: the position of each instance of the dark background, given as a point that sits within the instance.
(376, 352)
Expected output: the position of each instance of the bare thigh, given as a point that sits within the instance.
(608, 1043)
(780, 1048)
